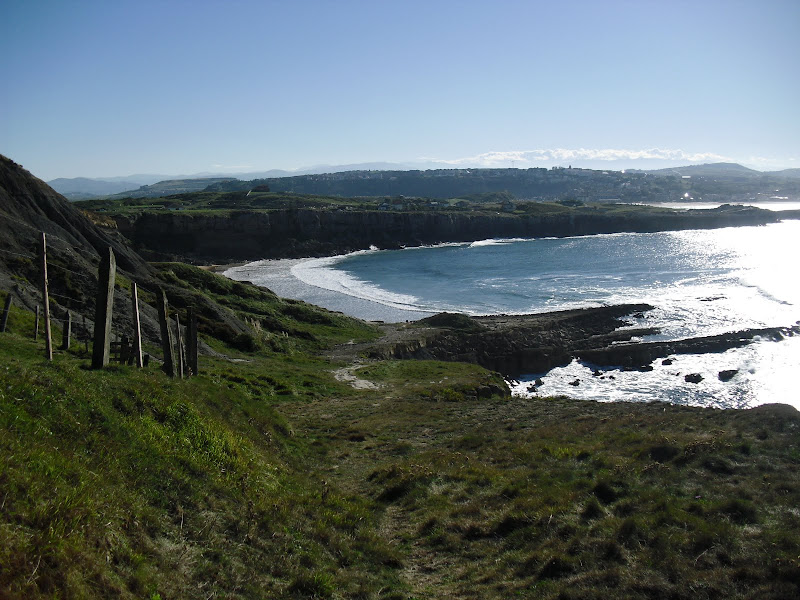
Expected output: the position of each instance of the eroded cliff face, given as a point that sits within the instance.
(302, 232)
(29, 207)
(294, 233)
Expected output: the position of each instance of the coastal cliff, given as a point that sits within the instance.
(293, 233)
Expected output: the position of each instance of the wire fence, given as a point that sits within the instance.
(83, 329)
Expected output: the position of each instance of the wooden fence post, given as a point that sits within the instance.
(181, 353)
(124, 350)
(137, 328)
(104, 307)
(167, 344)
(36, 325)
(191, 341)
(67, 331)
(6, 310)
(85, 334)
(46, 301)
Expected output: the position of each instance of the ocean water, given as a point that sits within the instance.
(701, 283)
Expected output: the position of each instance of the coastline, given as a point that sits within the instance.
(725, 371)
(307, 279)
(276, 275)
(221, 268)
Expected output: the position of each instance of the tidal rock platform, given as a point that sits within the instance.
(521, 344)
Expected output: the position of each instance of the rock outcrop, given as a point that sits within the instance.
(524, 344)
(517, 344)
(643, 353)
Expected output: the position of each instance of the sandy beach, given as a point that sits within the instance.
(276, 275)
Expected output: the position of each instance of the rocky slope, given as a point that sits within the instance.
(28, 207)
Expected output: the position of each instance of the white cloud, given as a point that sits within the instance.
(523, 158)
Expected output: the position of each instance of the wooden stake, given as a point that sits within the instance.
(6, 310)
(181, 368)
(124, 350)
(85, 334)
(137, 328)
(191, 341)
(104, 307)
(67, 331)
(167, 344)
(36, 325)
(46, 301)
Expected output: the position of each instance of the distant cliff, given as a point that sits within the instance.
(312, 232)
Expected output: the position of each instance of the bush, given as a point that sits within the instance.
(245, 342)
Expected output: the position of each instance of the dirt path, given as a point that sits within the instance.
(425, 572)
(347, 375)
(362, 438)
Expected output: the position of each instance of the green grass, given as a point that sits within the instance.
(277, 324)
(433, 380)
(226, 203)
(217, 203)
(269, 477)
(554, 498)
(124, 483)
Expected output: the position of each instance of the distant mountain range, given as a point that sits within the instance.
(719, 170)
(150, 186)
(79, 188)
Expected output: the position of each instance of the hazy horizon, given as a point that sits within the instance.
(409, 166)
(95, 89)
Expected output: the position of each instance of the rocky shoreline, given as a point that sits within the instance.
(517, 344)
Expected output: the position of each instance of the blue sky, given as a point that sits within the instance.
(114, 88)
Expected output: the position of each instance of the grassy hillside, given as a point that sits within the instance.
(280, 472)
(277, 324)
(124, 483)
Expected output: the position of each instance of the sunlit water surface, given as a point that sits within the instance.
(701, 283)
